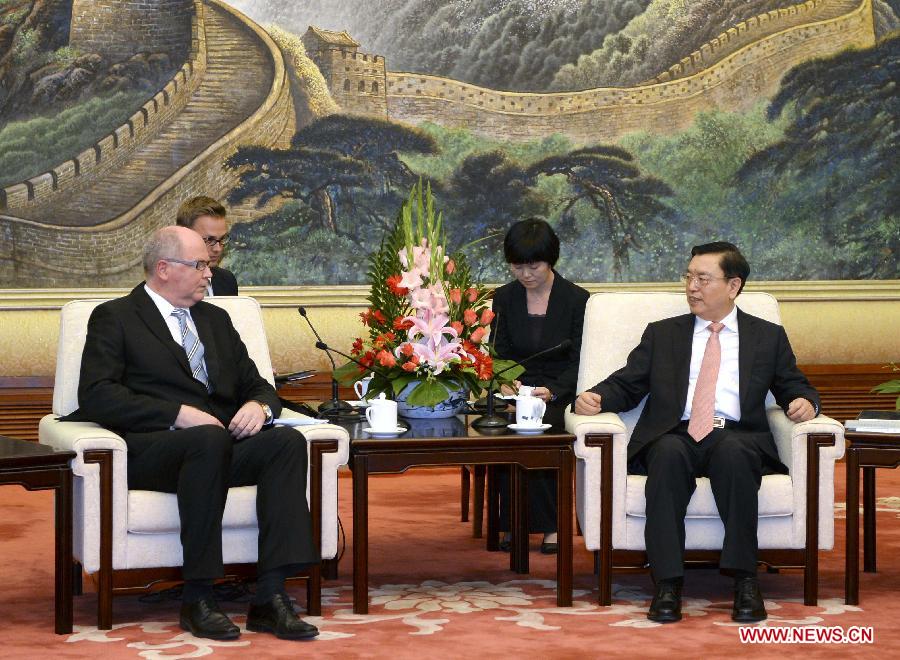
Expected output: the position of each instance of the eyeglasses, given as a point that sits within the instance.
(212, 240)
(701, 280)
(196, 264)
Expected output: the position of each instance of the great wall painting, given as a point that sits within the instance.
(637, 127)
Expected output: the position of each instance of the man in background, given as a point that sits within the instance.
(206, 216)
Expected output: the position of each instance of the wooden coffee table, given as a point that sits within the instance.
(38, 467)
(453, 441)
(867, 451)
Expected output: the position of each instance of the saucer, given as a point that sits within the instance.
(385, 434)
(529, 429)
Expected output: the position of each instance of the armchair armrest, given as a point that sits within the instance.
(81, 437)
(790, 438)
(583, 425)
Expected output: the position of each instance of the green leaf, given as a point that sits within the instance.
(398, 383)
(347, 374)
(428, 393)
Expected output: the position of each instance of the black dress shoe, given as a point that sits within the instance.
(205, 619)
(748, 601)
(666, 605)
(548, 548)
(278, 617)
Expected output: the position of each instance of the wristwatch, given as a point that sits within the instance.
(267, 411)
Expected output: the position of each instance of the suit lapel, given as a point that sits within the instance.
(207, 338)
(148, 312)
(682, 344)
(747, 340)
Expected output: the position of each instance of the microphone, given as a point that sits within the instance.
(322, 346)
(335, 407)
(490, 420)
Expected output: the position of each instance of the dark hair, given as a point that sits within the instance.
(731, 261)
(529, 241)
(195, 207)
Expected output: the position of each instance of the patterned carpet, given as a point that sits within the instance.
(435, 591)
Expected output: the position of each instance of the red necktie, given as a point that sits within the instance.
(704, 402)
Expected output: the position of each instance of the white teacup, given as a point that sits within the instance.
(382, 414)
(362, 386)
(529, 411)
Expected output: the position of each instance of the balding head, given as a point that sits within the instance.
(181, 284)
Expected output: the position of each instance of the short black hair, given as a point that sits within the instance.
(731, 261)
(529, 241)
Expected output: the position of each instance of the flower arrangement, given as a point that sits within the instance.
(428, 322)
(891, 386)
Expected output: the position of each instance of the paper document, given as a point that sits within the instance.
(298, 421)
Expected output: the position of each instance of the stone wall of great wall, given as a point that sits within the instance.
(104, 254)
(605, 114)
(91, 166)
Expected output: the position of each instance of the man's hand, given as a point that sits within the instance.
(800, 410)
(588, 403)
(189, 416)
(247, 421)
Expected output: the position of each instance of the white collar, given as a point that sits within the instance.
(730, 322)
(164, 306)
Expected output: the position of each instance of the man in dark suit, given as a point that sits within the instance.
(170, 373)
(206, 216)
(706, 376)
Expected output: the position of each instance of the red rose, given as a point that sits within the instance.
(478, 335)
(456, 325)
(471, 294)
(409, 366)
(487, 316)
(455, 296)
(407, 349)
(450, 267)
(470, 317)
(386, 358)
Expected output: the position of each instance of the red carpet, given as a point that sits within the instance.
(436, 592)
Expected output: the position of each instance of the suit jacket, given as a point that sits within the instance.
(135, 377)
(565, 319)
(660, 365)
(224, 283)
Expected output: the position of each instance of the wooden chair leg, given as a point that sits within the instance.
(478, 502)
(464, 493)
(314, 591)
(493, 510)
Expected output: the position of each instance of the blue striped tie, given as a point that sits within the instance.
(192, 346)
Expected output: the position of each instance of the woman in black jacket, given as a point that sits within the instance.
(539, 310)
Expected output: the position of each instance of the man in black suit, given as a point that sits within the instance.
(706, 375)
(170, 373)
(206, 216)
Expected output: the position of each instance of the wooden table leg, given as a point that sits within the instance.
(464, 482)
(478, 502)
(518, 556)
(564, 529)
(493, 510)
(868, 519)
(64, 552)
(360, 535)
(851, 568)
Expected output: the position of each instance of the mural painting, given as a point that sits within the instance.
(636, 127)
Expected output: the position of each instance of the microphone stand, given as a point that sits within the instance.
(490, 420)
(335, 408)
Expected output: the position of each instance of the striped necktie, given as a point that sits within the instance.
(192, 346)
(703, 405)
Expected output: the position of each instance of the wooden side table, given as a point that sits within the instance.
(867, 451)
(38, 467)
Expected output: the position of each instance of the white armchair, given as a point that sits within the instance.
(796, 511)
(116, 529)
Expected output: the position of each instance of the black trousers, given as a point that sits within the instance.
(541, 485)
(734, 463)
(200, 464)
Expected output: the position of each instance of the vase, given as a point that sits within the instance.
(454, 404)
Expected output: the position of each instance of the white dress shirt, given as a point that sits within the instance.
(728, 400)
(165, 308)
